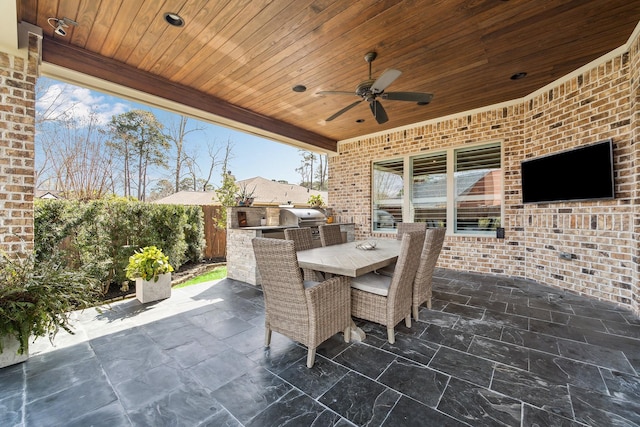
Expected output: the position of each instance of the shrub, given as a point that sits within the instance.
(37, 297)
(100, 236)
(194, 233)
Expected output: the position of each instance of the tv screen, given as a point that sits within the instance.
(583, 173)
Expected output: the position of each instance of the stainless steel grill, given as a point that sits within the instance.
(298, 217)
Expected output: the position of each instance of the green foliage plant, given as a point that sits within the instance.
(194, 233)
(38, 296)
(148, 264)
(226, 196)
(101, 235)
(244, 196)
(316, 201)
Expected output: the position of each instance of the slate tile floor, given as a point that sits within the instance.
(492, 352)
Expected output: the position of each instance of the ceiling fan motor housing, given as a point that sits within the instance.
(364, 89)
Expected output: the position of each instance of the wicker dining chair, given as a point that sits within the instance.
(387, 300)
(422, 287)
(330, 234)
(408, 227)
(403, 227)
(303, 240)
(306, 311)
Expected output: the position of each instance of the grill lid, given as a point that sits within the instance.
(301, 217)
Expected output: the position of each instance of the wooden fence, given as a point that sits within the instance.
(215, 238)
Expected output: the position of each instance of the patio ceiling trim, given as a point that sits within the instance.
(85, 62)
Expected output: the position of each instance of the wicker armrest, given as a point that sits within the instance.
(331, 299)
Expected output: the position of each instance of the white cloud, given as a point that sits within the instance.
(80, 103)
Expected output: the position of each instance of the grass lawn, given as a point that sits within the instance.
(215, 274)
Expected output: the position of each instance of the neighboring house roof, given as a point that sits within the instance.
(199, 198)
(276, 193)
(266, 192)
(47, 194)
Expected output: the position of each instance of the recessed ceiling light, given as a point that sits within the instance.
(174, 19)
(518, 76)
(299, 88)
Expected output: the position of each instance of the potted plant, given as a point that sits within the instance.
(36, 300)
(244, 196)
(152, 272)
(315, 201)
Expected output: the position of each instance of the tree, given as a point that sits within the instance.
(162, 188)
(136, 136)
(214, 152)
(177, 135)
(227, 191)
(308, 172)
(321, 173)
(72, 158)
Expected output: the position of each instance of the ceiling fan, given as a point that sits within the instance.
(369, 90)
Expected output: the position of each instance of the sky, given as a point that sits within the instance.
(252, 155)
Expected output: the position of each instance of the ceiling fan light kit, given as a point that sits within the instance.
(371, 89)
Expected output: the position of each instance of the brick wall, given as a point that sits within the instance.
(17, 132)
(634, 59)
(602, 236)
(592, 106)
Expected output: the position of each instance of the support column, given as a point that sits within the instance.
(17, 135)
(634, 87)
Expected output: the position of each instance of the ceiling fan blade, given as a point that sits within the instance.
(385, 80)
(378, 112)
(408, 96)
(334, 92)
(344, 110)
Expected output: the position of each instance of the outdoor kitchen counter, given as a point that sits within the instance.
(241, 263)
(267, 227)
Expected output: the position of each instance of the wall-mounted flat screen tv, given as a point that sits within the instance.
(582, 173)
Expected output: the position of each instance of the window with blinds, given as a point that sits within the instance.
(388, 193)
(458, 188)
(478, 189)
(429, 189)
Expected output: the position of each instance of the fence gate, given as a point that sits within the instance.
(215, 238)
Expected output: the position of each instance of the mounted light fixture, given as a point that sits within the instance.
(174, 19)
(518, 76)
(59, 25)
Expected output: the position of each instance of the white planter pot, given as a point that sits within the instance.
(148, 290)
(9, 355)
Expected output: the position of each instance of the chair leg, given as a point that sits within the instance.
(416, 309)
(407, 320)
(347, 334)
(311, 357)
(429, 303)
(391, 335)
(267, 337)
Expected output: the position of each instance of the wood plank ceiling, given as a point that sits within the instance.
(241, 58)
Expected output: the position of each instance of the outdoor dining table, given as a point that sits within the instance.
(350, 259)
(347, 259)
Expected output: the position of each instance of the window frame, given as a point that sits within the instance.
(408, 208)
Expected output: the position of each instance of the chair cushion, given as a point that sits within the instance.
(310, 284)
(387, 270)
(373, 283)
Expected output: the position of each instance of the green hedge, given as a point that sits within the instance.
(101, 235)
